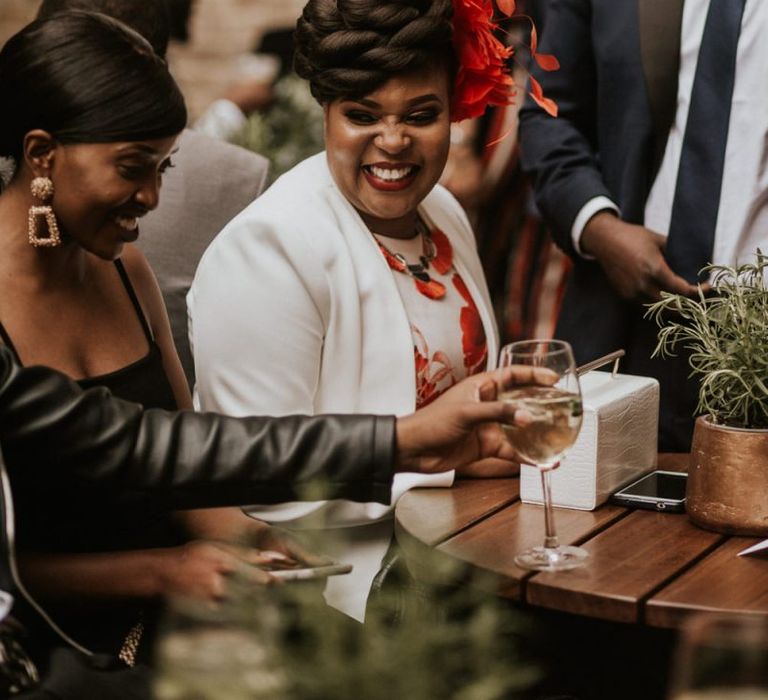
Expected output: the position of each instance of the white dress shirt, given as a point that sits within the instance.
(742, 221)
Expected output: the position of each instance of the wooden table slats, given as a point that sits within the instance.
(493, 543)
(439, 513)
(629, 561)
(721, 582)
(647, 567)
(427, 517)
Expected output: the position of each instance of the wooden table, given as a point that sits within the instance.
(646, 567)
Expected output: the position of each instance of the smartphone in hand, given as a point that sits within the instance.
(306, 573)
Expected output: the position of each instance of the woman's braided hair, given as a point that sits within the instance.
(350, 48)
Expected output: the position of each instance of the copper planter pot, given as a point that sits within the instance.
(728, 479)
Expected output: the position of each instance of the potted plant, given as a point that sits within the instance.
(726, 332)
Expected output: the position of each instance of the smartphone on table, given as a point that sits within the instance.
(660, 490)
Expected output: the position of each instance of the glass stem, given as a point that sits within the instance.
(550, 540)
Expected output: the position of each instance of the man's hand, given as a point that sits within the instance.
(460, 430)
(632, 258)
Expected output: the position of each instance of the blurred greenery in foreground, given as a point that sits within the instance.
(289, 131)
(451, 643)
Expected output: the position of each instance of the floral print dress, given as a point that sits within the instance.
(449, 341)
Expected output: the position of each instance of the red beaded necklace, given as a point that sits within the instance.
(437, 251)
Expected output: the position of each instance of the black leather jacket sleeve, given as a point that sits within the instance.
(54, 435)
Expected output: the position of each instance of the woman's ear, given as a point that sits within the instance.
(39, 152)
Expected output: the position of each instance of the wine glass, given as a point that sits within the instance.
(723, 657)
(548, 417)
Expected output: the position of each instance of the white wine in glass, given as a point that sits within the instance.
(548, 418)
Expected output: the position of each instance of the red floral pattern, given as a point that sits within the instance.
(435, 372)
(473, 339)
(429, 371)
(443, 260)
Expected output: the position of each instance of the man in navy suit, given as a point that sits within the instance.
(606, 170)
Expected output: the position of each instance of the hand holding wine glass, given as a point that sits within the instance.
(548, 418)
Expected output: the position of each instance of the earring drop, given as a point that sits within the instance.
(42, 189)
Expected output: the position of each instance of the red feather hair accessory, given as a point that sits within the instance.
(484, 77)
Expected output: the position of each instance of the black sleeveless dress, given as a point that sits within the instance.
(77, 521)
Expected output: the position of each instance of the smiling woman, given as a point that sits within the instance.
(105, 188)
(90, 118)
(386, 151)
(353, 283)
(95, 116)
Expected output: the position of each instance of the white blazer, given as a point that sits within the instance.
(293, 309)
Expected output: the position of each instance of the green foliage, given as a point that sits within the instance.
(453, 641)
(726, 332)
(289, 131)
(450, 643)
(453, 645)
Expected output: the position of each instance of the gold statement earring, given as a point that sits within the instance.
(42, 189)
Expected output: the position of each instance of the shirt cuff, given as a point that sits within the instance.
(221, 120)
(592, 207)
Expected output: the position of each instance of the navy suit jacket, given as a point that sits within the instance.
(616, 92)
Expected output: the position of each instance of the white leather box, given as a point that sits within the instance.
(617, 442)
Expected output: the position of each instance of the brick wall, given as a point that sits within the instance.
(220, 31)
(14, 14)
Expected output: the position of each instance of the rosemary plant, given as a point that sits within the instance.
(726, 332)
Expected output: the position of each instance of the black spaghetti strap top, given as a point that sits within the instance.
(143, 381)
(98, 522)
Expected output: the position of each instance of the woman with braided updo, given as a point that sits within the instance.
(353, 283)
